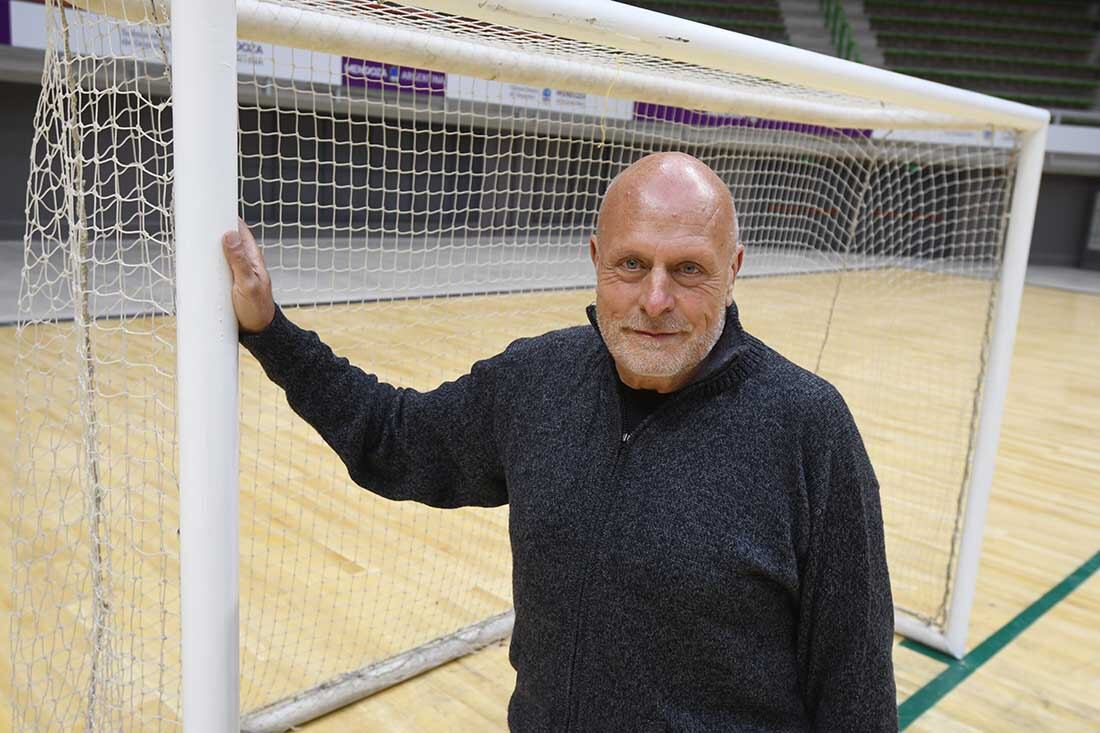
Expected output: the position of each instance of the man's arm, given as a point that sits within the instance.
(847, 618)
(436, 447)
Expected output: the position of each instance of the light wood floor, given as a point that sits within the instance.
(328, 576)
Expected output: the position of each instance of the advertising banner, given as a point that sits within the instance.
(519, 95)
(376, 75)
(701, 118)
(5, 22)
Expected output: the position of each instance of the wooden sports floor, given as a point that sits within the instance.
(328, 574)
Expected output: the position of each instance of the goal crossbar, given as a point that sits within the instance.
(648, 32)
(915, 103)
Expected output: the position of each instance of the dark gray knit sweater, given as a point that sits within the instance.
(720, 569)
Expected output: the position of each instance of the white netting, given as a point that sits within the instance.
(555, 50)
(420, 221)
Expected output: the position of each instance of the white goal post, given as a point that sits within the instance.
(204, 102)
(422, 167)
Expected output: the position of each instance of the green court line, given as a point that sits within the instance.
(958, 670)
(928, 651)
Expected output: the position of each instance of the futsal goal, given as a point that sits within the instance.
(423, 180)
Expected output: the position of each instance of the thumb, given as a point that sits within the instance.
(237, 255)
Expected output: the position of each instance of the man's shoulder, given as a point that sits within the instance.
(553, 350)
(810, 409)
(799, 389)
(582, 337)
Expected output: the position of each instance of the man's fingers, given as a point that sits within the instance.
(243, 254)
(246, 237)
(236, 256)
(252, 300)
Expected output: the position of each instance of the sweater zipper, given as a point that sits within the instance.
(624, 439)
(623, 443)
(608, 484)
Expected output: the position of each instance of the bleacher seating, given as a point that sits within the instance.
(761, 18)
(1040, 52)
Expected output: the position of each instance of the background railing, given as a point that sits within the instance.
(840, 32)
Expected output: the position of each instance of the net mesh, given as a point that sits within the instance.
(556, 51)
(420, 221)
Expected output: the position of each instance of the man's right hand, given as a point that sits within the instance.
(252, 300)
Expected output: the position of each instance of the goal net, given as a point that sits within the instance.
(420, 217)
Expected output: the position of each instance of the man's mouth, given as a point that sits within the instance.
(656, 335)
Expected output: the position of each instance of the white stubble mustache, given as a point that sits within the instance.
(662, 327)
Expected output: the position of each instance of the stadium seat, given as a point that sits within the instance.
(1040, 53)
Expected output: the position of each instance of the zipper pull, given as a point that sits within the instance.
(626, 437)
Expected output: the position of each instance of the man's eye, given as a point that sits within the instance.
(631, 264)
(690, 269)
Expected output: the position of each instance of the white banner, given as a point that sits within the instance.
(995, 138)
(519, 95)
(102, 37)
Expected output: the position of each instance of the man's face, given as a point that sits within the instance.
(665, 268)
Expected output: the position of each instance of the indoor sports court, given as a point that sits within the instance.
(421, 217)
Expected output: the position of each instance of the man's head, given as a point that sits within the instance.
(666, 253)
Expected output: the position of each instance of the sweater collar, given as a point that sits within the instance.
(726, 358)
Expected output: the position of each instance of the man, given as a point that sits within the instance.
(695, 525)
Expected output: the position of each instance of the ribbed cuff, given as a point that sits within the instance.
(274, 334)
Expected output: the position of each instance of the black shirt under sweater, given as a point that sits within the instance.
(721, 569)
(638, 404)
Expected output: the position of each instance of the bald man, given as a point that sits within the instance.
(695, 525)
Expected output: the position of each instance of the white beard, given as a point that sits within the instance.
(652, 359)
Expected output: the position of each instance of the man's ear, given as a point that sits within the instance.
(592, 250)
(738, 260)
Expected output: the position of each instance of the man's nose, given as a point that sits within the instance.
(657, 298)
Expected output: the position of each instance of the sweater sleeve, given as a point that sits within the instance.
(846, 621)
(436, 447)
